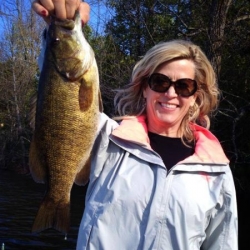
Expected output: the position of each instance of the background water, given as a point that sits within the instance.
(20, 198)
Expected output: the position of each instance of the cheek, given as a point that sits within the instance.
(192, 102)
(150, 95)
(150, 98)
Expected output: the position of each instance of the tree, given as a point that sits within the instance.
(138, 25)
(19, 48)
(221, 28)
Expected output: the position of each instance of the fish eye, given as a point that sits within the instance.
(56, 40)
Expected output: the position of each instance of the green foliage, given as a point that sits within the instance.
(221, 28)
(18, 80)
(138, 25)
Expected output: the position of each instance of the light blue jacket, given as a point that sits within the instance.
(133, 202)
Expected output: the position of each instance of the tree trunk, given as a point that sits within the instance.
(219, 10)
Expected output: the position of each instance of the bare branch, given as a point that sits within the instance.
(4, 14)
(241, 18)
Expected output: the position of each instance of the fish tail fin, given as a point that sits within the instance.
(52, 215)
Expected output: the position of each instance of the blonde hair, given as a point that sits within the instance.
(129, 101)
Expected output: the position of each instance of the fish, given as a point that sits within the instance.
(68, 104)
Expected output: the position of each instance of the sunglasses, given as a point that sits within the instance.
(183, 87)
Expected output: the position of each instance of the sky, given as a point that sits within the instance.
(98, 16)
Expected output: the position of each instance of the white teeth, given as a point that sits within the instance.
(165, 105)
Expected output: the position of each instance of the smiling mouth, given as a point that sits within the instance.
(168, 106)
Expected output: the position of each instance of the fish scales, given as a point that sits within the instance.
(68, 103)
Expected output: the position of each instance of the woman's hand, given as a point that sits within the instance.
(63, 9)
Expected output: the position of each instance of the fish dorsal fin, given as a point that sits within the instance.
(100, 101)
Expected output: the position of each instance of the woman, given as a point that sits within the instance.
(158, 179)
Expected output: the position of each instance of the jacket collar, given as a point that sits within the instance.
(134, 129)
(207, 150)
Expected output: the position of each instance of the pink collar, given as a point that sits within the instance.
(207, 150)
(134, 129)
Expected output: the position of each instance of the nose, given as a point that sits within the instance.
(171, 91)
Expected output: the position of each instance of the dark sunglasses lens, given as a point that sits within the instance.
(183, 87)
(159, 83)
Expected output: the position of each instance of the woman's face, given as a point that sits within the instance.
(165, 111)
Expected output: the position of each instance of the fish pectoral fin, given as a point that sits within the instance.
(82, 176)
(36, 167)
(85, 96)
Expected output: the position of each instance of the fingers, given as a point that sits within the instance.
(40, 10)
(47, 4)
(71, 6)
(60, 9)
(84, 10)
(63, 9)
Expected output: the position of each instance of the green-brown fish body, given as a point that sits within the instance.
(68, 105)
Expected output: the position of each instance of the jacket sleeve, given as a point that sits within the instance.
(99, 152)
(222, 231)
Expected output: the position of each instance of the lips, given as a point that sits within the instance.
(168, 105)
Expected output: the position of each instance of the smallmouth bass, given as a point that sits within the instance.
(67, 108)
